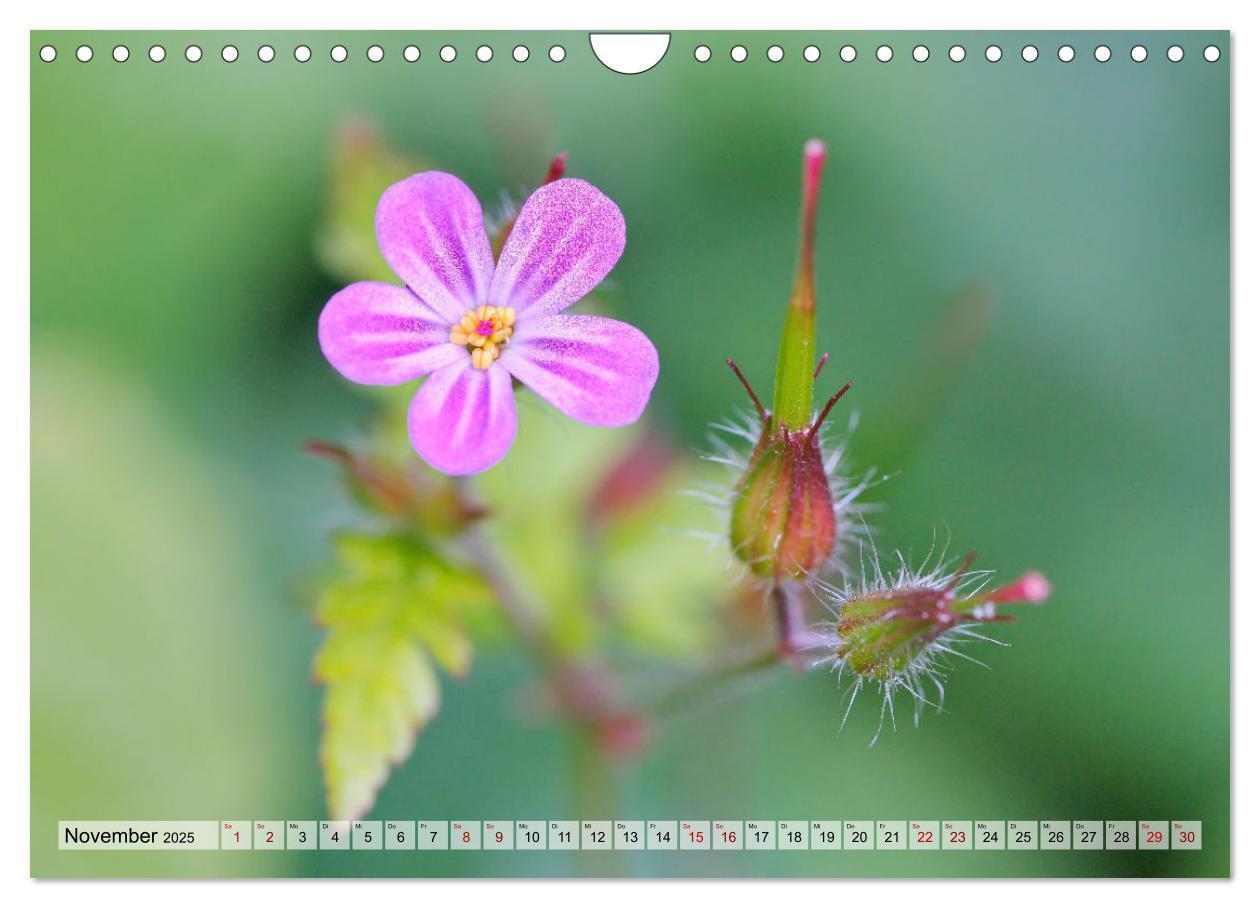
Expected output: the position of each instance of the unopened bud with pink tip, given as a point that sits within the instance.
(893, 630)
(783, 523)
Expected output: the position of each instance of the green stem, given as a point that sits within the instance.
(714, 681)
(584, 692)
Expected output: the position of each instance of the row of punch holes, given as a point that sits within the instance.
(775, 53)
(921, 53)
(338, 53)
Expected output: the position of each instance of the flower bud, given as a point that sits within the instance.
(783, 523)
(888, 632)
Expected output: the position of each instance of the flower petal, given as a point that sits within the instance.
(463, 419)
(431, 232)
(596, 370)
(380, 334)
(566, 239)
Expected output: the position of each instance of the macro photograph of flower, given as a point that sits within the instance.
(787, 437)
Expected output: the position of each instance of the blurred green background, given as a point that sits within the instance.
(176, 374)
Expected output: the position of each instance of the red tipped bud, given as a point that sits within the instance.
(889, 631)
(783, 523)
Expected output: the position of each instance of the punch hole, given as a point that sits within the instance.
(266, 53)
(628, 54)
(447, 54)
(485, 53)
(48, 53)
(375, 53)
(1175, 54)
(302, 53)
(739, 53)
(811, 53)
(1211, 53)
(192, 53)
(1102, 53)
(411, 53)
(520, 53)
(883, 53)
(957, 53)
(703, 54)
(83, 54)
(557, 53)
(1029, 53)
(338, 54)
(157, 53)
(848, 53)
(993, 53)
(1067, 53)
(921, 53)
(229, 53)
(774, 53)
(1138, 53)
(121, 53)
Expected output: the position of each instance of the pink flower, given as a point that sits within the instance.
(473, 325)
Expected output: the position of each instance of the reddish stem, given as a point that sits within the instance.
(815, 157)
(761, 411)
(822, 416)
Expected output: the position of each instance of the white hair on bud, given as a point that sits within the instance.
(927, 669)
(731, 443)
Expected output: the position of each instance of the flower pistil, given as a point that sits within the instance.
(483, 331)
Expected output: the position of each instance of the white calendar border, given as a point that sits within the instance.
(642, 14)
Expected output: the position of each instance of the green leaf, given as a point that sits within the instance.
(394, 608)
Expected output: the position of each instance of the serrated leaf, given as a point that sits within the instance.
(392, 610)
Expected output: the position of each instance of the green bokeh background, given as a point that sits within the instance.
(175, 375)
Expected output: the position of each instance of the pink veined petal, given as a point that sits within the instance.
(431, 232)
(596, 370)
(566, 239)
(463, 419)
(380, 334)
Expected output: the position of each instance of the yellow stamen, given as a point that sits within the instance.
(484, 331)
